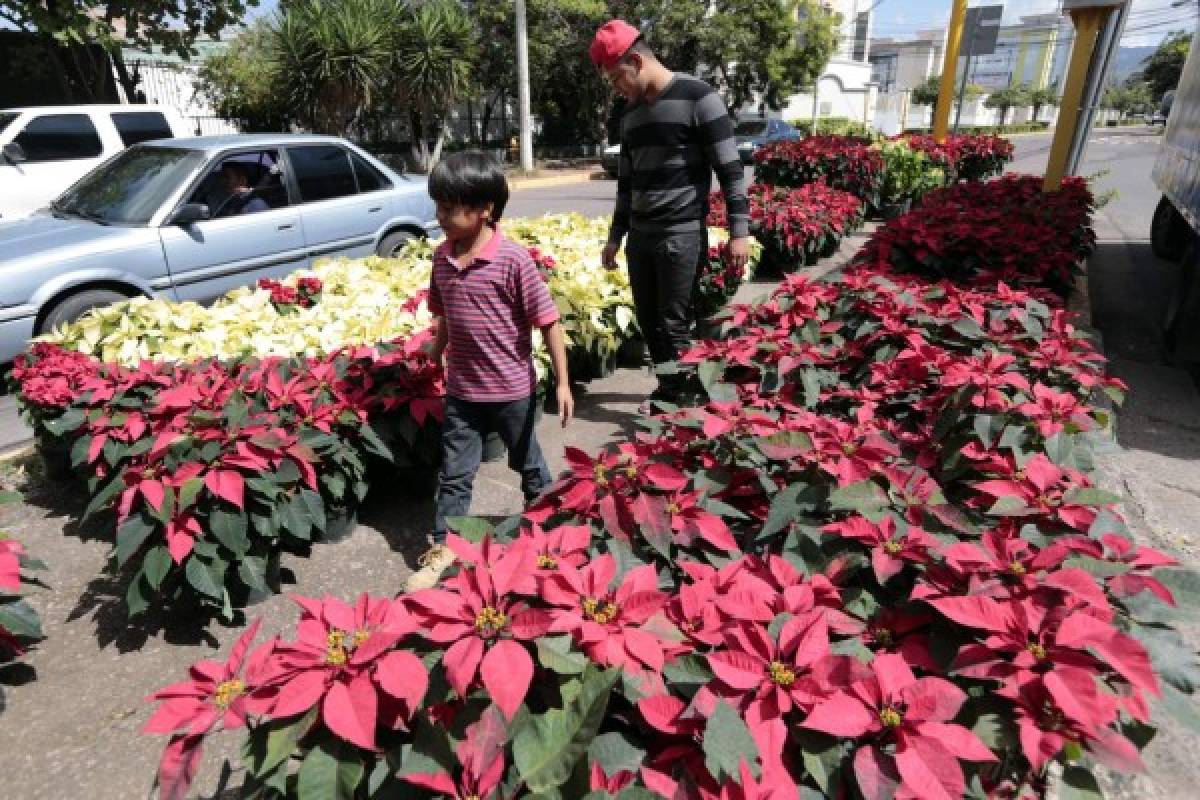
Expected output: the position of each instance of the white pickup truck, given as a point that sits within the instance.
(44, 150)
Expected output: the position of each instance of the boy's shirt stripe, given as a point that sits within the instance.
(490, 308)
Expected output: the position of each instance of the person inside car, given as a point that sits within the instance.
(240, 197)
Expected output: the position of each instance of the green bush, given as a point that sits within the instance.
(1023, 127)
(833, 126)
(907, 173)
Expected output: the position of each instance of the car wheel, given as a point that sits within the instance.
(74, 306)
(1168, 231)
(393, 243)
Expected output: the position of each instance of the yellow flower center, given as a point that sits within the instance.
(490, 621)
(335, 648)
(892, 547)
(850, 449)
(1016, 568)
(882, 636)
(1037, 651)
(781, 674)
(547, 562)
(890, 717)
(673, 509)
(631, 471)
(598, 611)
(227, 692)
(601, 475)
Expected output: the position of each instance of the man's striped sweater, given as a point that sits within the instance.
(669, 150)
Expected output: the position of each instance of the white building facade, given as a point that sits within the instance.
(845, 89)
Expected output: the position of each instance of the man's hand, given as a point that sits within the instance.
(566, 403)
(739, 252)
(609, 256)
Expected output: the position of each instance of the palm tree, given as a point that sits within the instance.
(1046, 96)
(331, 59)
(433, 58)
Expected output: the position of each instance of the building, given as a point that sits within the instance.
(845, 89)
(1032, 51)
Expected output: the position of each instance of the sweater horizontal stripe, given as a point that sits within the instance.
(669, 150)
(490, 308)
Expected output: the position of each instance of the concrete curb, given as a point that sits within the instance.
(13, 453)
(520, 184)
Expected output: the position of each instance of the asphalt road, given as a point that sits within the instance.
(1127, 154)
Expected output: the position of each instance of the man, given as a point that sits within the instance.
(675, 133)
(239, 196)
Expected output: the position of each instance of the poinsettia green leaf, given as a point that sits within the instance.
(332, 770)
(727, 742)
(546, 748)
(19, 619)
(555, 654)
(229, 528)
(1078, 783)
(132, 534)
(156, 564)
(862, 497)
(614, 752)
(1090, 496)
(281, 739)
(1183, 583)
(473, 529)
(200, 579)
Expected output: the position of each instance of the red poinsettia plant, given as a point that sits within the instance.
(20, 626)
(846, 163)
(286, 298)
(869, 560)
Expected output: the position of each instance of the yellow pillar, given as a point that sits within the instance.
(941, 113)
(1087, 22)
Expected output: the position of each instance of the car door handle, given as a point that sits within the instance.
(374, 209)
(287, 226)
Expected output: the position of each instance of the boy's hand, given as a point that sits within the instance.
(609, 255)
(566, 403)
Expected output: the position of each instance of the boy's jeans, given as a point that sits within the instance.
(463, 431)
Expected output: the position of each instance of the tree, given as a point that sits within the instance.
(752, 51)
(241, 83)
(1162, 68)
(1006, 98)
(1131, 97)
(927, 93)
(166, 24)
(331, 59)
(1046, 96)
(432, 71)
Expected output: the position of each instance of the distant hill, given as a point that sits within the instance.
(1129, 60)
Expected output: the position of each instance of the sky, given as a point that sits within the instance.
(1149, 21)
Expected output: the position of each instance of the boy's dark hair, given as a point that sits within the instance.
(472, 179)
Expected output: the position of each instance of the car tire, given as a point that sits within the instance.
(74, 306)
(1168, 231)
(393, 243)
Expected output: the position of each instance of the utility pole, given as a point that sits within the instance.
(941, 113)
(523, 90)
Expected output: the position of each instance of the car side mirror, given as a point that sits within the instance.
(189, 213)
(14, 153)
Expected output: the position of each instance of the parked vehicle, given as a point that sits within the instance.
(190, 219)
(610, 158)
(46, 149)
(1176, 223)
(753, 133)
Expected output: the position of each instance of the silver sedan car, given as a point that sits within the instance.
(190, 219)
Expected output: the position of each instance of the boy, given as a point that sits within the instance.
(487, 296)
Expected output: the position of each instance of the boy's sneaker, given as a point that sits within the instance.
(433, 563)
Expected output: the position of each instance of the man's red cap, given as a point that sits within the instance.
(612, 41)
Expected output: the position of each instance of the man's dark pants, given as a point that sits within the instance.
(662, 275)
(463, 431)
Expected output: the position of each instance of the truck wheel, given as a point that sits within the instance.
(393, 243)
(72, 307)
(1168, 231)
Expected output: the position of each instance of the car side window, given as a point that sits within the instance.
(369, 178)
(59, 137)
(322, 172)
(242, 183)
(141, 126)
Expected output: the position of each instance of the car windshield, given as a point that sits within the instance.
(751, 127)
(6, 118)
(129, 189)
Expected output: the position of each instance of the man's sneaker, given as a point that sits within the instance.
(433, 563)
